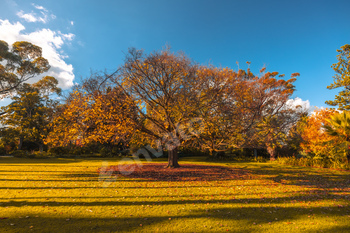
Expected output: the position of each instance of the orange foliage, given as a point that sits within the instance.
(97, 117)
(315, 139)
(244, 103)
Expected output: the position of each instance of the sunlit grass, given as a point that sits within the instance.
(65, 195)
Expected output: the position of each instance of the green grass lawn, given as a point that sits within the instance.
(65, 195)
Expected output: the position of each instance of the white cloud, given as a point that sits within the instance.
(9, 32)
(27, 17)
(297, 102)
(51, 43)
(33, 17)
(40, 7)
(72, 23)
(68, 36)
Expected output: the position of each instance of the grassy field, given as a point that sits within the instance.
(65, 195)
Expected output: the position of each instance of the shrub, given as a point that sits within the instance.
(60, 150)
(116, 151)
(192, 151)
(125, 152)
(260, 159)
(75, 150)
(316, 161)
(20, 153)
(105, 152)
(133, 149)
(3, 150)
(40, 155)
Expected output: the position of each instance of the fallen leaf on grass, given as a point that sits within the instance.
(187, 172)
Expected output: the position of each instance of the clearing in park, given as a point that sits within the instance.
(66, 195)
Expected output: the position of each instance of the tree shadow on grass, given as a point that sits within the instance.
(38, 162)
(298, 197)
(306, 177)
(245, 214)
(234, 219)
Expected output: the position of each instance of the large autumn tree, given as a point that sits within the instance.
(168, 91)
(30, 112)
(18, 63)
(341, 79)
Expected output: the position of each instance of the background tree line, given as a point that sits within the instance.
(153, 98)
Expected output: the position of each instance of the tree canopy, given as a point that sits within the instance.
(93, 112)
(18, 64)
(168, 91)
(341, 79)
(30, 112)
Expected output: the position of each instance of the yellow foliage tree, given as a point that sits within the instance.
(316, 140)
(93, 116)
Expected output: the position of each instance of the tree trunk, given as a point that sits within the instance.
(20, 143)
(173, 159)
(272, 153)
(348, 156)
(41, 147)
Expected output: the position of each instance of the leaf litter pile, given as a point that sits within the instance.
(187, 172)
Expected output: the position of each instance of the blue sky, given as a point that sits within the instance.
(285, 36)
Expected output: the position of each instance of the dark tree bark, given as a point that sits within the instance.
(41, 147)
(173, 159)
(255, 153)
(20, 143)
